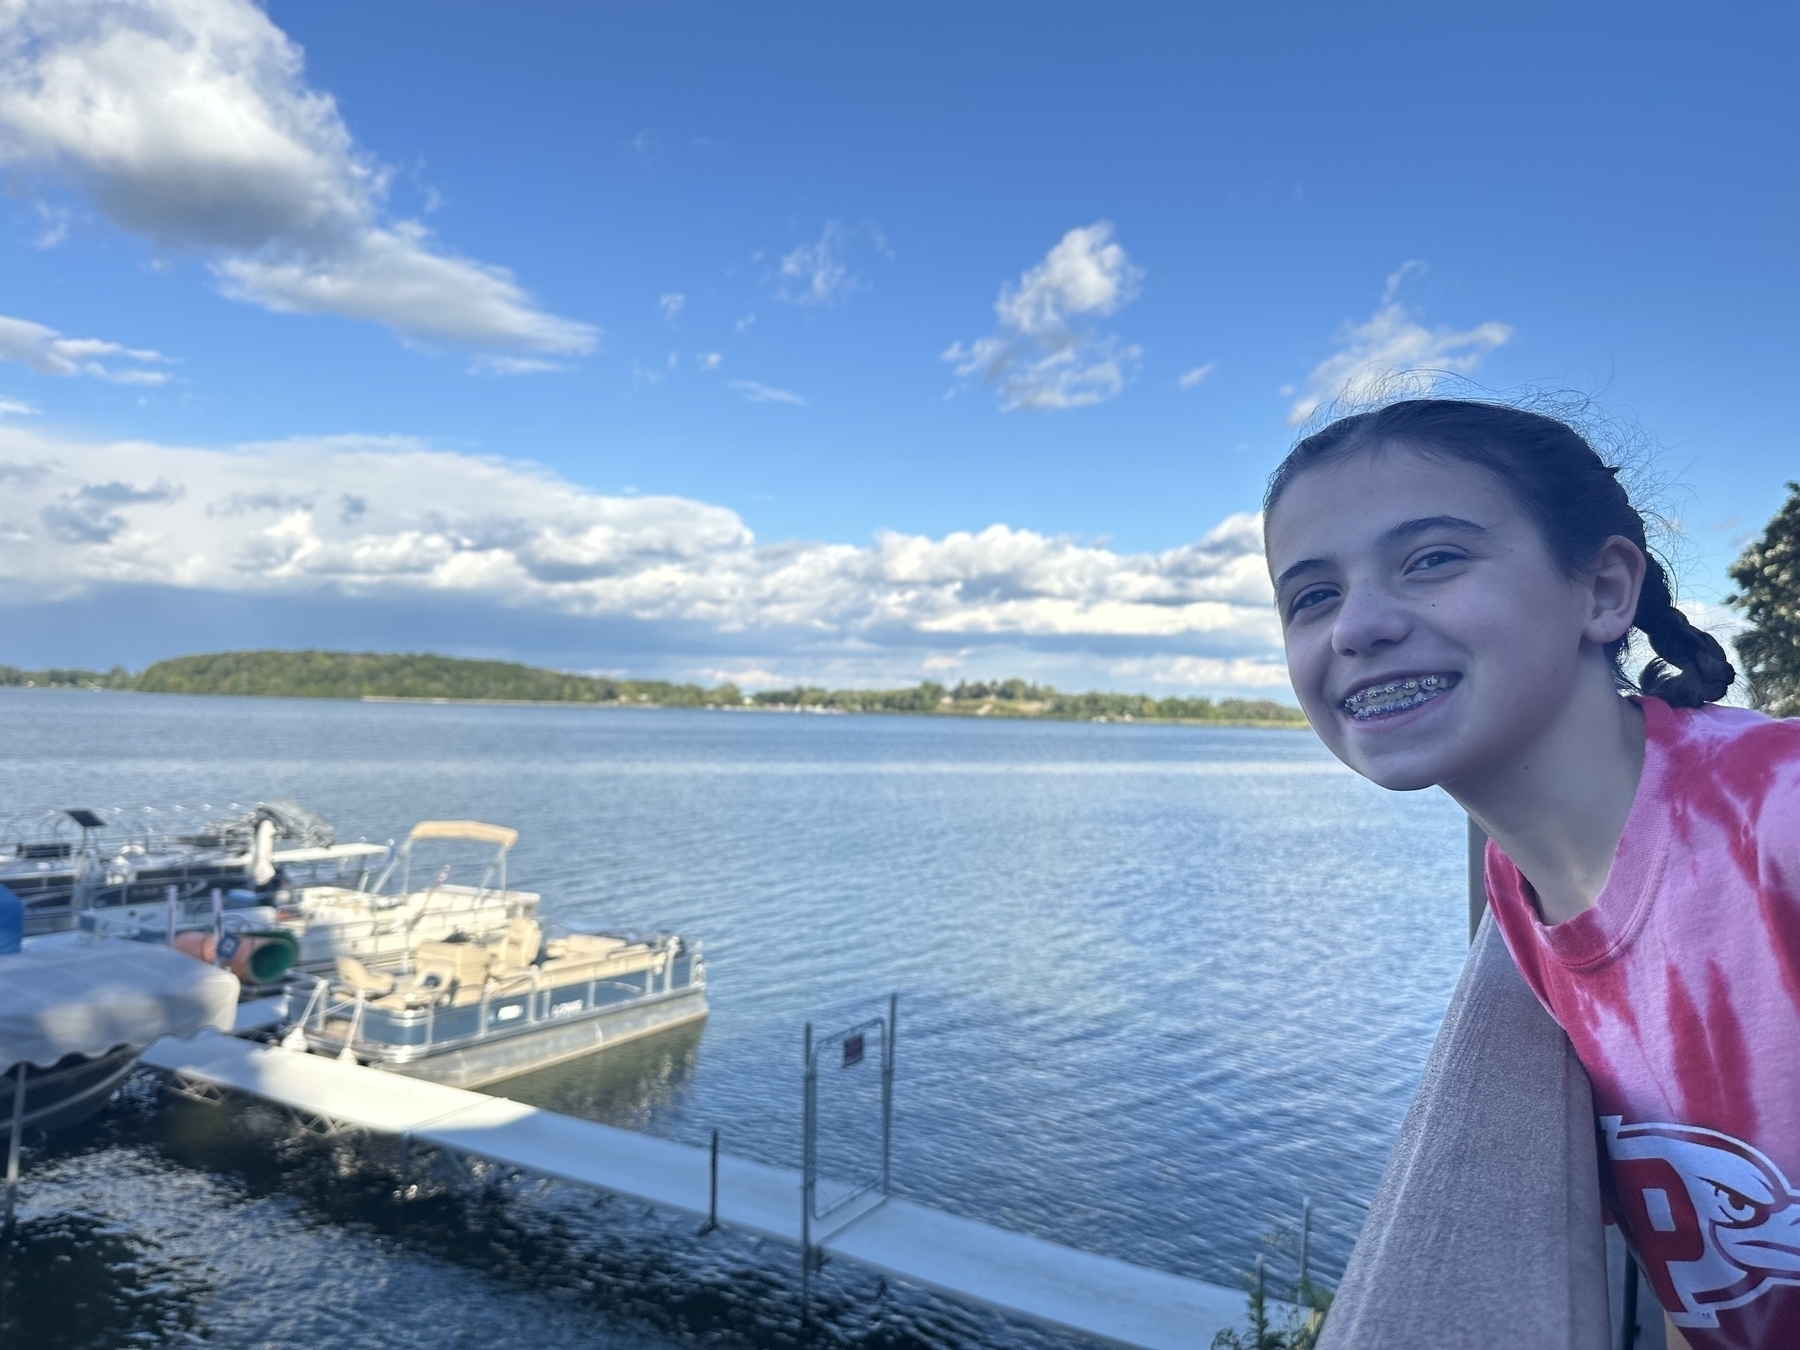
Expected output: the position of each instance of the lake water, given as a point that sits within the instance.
(1156, 983)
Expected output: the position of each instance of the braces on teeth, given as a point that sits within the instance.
(1395, 697)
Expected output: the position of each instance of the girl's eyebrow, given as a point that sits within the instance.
(1406, 529)
(1300, 569)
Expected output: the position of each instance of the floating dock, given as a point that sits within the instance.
(1025, 1276)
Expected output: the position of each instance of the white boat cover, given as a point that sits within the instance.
(85, 997)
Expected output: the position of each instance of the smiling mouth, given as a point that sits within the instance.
(1385, 700)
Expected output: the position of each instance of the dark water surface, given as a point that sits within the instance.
(1157, 984)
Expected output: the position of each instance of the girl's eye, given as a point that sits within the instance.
(1318, 595)
(1437, 557)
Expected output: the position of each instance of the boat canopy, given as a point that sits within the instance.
(464, 829)
(76, 995)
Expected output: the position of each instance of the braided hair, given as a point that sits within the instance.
(1571, 494)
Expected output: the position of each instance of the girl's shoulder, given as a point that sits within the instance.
(1743, 729)
(1738, 755)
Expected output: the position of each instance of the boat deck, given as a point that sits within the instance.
(1101, 1297)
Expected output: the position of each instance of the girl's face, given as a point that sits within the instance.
(1429, 633)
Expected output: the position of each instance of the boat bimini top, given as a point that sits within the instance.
(502, 837)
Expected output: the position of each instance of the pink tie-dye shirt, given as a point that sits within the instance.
(1680, 990)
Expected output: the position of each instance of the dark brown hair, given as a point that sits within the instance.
(1571, 494)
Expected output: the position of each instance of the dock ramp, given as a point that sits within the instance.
(1043, 1281)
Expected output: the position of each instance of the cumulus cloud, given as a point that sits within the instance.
(48, 352)
(190, 122)
(367, 518)
(671, 305)
(710, 360)
(1392, 352)
(1043, 353)
(755, 391)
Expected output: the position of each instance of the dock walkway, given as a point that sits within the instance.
(1043, 1281)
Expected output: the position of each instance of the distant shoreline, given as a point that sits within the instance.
(991, 714)
(423, 677)
(995, 713)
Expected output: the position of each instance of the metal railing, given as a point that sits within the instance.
(325, 1005)
(852, 1043)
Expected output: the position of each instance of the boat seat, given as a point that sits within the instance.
(355, 975)
(589, 945)
(450, 963)
(568, 969)
(519, 948)
(626, 961)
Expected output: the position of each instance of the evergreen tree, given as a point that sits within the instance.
(1768, 578)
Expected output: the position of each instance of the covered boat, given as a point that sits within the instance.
(76, 1011)
(469, 1013)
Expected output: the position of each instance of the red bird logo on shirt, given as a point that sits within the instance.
(1714, 1220)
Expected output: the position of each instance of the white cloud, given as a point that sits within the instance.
(1196, 375)
(710, 360)
(1189, 672)
(671, 305)
(57, 220)
(817, 273)
(648, 377)
(12, 407)
(757, 392)
(372, 518)
(190, 122)
(490, 364)
(1039, 358)
(1392, 352)
(48, 352)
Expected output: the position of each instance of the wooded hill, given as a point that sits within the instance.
(313, 674)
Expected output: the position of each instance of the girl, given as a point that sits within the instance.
(1456, 582)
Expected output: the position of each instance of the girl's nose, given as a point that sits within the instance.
(1368, 618)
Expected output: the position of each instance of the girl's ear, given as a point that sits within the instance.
(1613, 580)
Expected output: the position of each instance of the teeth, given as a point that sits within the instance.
(1382, 699)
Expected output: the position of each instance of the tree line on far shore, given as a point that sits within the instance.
(315, 674)
(1017, 698)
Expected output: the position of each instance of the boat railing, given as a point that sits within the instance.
(326, 1003)
(190, 914)
(399, 915)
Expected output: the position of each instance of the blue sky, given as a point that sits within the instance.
(832, 342)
